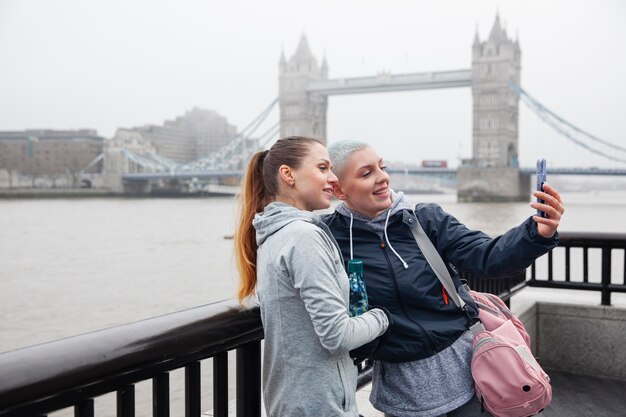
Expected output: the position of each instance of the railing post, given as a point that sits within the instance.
(567, 264)
(606, 276)
(84, 409)
(550, 268)
(192, 390)
(249, 380)
(220, 385)
(126, 401)
(585, 264)
(161, 395)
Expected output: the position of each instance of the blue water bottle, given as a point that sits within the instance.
(358, 294)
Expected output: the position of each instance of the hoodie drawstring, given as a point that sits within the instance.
(351, 253)
(404, 264)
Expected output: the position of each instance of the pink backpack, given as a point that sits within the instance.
(508, 380)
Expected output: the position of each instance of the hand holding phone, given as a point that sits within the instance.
(541, 179)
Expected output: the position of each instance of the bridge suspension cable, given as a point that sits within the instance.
(149, 162)
(564, 127)
(166, 162)
(268, 136)
(235, 149)
(93, 162)
(260, 118)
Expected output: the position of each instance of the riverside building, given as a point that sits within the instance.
(53, 155)
(189, 137)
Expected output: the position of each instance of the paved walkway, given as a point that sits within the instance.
(572, 396)
(363, 402)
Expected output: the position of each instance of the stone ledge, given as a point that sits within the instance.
(572, 310)
(588, 340)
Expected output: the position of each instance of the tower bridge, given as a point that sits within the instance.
(491, 174)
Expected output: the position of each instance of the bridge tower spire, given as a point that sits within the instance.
(495, 125)
(493, 173)
(302, 112)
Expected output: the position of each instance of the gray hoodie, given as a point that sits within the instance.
(303, 292)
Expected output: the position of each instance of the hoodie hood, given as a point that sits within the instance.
(379, 223)
(398, 202)
(277, 215)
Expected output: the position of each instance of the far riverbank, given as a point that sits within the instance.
(80, 193)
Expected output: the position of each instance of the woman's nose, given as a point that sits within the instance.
(332, 178)
(384, 176)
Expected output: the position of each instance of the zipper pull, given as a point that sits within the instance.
(445, 296)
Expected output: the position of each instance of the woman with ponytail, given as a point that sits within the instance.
(287, 257)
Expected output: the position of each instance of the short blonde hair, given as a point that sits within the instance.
(341, 151)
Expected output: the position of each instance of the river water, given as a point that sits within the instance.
(72, 266)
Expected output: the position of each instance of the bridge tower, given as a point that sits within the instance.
(116, 165)
(302, 112)
(493, 172)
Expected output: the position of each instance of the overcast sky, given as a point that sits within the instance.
(68, 64)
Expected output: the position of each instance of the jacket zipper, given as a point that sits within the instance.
(431, 343)
(397, 288)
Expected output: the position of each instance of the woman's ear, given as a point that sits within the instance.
(338, 192)
(286, 175)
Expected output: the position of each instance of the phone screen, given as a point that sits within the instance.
(541, 179)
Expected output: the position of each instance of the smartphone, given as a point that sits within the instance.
(541, 179)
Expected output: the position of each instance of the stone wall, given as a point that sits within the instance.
(581, 339)
(529, 318)
(589, 340)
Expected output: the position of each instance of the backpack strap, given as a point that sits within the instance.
(435, 261)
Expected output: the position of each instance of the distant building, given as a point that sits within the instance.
(192, 136)
(168, 140)
(50, 153)
(207, 129)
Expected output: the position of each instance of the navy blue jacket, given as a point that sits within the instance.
(423, 324)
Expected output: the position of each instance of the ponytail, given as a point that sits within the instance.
(252, 200)
(259, 188)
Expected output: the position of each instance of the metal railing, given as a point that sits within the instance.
(606, 242)
(37, 380)
(504, 288)
(71, 372)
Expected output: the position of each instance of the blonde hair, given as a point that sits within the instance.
(340, 152)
